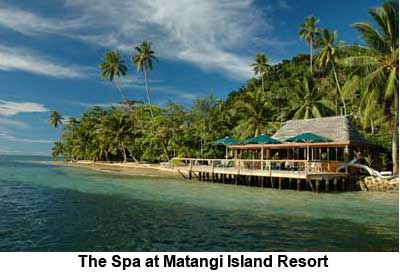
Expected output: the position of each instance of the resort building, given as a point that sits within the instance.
(302, 153)
(342, 144)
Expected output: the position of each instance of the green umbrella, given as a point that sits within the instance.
(261, 139)
(308, 137)
(226, 141)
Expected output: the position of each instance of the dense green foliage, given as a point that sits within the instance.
(338, 84)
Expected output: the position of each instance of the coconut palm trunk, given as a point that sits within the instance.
(339, 89)
(148, 90)
(122, 93)
(395, 135)
(146, 84)
(311, 54)
(262, 82)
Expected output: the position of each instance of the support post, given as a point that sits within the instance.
(212, 170)
(335, 184)
(326, 184)
(310, 184)
(346, 157)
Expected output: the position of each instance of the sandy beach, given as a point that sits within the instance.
(128, 168)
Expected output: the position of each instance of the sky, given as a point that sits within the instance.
(50, 51)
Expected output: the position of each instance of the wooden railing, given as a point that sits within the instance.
(243, 165)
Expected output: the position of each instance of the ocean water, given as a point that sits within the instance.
(53, 208)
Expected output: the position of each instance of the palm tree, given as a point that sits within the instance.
(255, 111)
(55, 119)
(380, 66)
(328, 56)
(308, 30)
(143, 60)
(57, 150)
(309, 103)
(114, 66)
(117, 128)
(260, 67)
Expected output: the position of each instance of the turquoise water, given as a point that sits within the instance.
(49, 208)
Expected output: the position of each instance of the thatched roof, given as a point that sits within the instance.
(339, 129)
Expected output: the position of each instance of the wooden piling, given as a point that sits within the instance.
(317, 182)
(310, 184)
(335, 184)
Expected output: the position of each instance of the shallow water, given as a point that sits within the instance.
(52, 208)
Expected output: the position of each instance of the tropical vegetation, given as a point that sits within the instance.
(357, 80)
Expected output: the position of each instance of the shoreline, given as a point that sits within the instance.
(368, 183)
(129, 168)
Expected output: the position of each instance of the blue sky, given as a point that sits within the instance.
(50, 51)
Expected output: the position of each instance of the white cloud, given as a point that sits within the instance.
(29, 23)
(206, 33)
(23, 59)
(4, 122)
(10, 137)
(9, 108)
(175, 93)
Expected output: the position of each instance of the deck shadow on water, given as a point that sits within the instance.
(36, 218)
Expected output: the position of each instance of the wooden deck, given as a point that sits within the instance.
(267, 168)
(260, 171)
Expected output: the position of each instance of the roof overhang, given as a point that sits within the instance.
(290, 145)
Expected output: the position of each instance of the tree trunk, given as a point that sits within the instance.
(372, 126)
(395, 135)
(311, 55)
(121, 92)
(123, 153)
(262, 83)
(339, 89)
(151, 109)
(147, 91)
(131, 154)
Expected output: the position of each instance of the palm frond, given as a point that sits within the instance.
(350, 87)
(371, 36)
